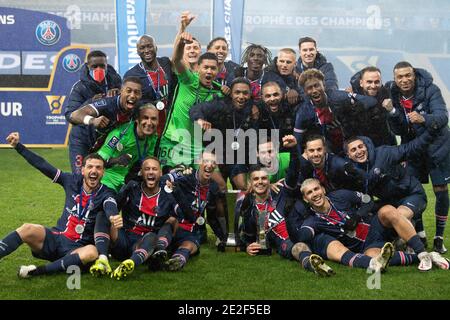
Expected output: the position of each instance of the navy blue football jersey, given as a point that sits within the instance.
(144, 213)
(80, 208)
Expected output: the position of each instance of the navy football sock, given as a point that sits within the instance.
(418, 225)
(441, 211)
(183, 253)
(144, 249)
(356, 260)
(416, 244)
(164, 237)
(58, 265)
(10, 243)
(401, 258)
(304, 260)
(101, 234)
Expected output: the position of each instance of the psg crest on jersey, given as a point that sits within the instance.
(48, 32)
(71, 62)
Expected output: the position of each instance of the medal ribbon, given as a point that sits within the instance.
(141, 156)
(80, 204)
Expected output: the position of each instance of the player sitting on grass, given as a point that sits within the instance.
(148, 224)
(70, 242)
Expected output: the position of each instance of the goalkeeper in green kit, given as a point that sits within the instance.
(128, 144)
(177, 144)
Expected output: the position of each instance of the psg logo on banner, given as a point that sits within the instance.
(48, 32)
(71, 62)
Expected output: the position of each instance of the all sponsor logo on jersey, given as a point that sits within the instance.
(71, 62)
(48, 32)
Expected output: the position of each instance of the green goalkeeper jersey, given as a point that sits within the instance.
(124, 140)
(179, 129)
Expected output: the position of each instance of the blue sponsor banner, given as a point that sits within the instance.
(228, 16)
(28, 30)
(38, 113)
(130, 25)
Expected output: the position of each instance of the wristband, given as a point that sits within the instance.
(86, 119)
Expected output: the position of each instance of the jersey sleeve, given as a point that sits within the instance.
(42, 165)
(100, 106)
(187, 77)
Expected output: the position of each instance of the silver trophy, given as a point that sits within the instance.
(261, 230)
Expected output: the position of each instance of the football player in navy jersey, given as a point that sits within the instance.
(70, 242)
(148, 224)
(107, 113)
(193, 192)
(264, 225)
(345, 215)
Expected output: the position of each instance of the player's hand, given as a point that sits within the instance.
(349, 90)
(289, 141)
(387, 104)
(253, 248)
(225, 90)
(98, 96)
(100, 122)
(185, 20)
(292, 96)
(116, 221)
(276, 187)
(205, 125)
(169, 184)
(113, 92)
(13, 139)
(416, 118)
(186, 37)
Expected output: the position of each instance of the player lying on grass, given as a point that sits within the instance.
(70, 242)
(345, 216)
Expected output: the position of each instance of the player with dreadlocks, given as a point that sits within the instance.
(254, 59)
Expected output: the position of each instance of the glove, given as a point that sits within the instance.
(352, 223)
(122, 160)
(180, 170)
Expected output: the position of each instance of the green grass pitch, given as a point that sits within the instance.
(28, 196)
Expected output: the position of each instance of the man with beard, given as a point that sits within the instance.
(148, 223)
(107, 113)
(127, 145)
(275, 113)
(401, 196)
(264, 225)
(155, 73)
(70, 242)
(417, 103)
(323, 112)
(344, 215)
(98, 79)
(178, 143)
(372, 123)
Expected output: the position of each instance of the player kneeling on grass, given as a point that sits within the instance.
(70, 242)
(148, 224)
(263, 206)
(193, 191)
